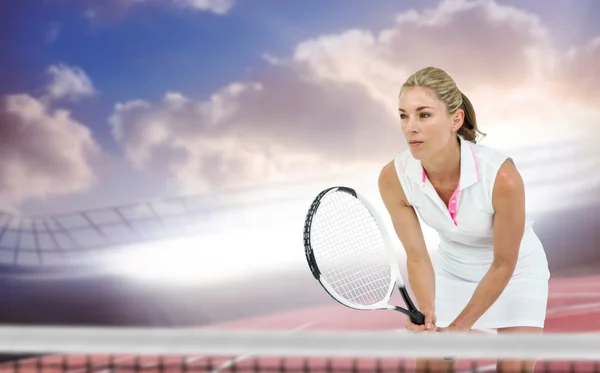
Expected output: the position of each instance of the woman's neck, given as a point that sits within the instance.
(444, 167)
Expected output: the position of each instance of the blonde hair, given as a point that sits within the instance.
(446, 91)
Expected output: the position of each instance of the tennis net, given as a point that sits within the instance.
(108, 350)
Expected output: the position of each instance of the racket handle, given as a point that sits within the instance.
(417, 317)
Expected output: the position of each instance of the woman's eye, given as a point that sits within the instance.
(424, 115)
(402, 116)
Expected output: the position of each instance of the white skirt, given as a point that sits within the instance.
(522, 303)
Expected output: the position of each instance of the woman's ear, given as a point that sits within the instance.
(458, 118)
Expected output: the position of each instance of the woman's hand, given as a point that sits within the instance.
(453, 328)
(429, 325)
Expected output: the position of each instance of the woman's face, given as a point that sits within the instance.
(426, 123)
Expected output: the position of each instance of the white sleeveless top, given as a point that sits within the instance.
(465, 226)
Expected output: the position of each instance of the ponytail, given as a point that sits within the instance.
(469, 130)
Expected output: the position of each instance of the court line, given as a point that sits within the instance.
(574, 295)
(237, 359)
(576, 287)
(575, 307)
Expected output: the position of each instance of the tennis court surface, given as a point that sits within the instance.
(325, 339)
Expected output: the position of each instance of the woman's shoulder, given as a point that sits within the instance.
(396, 167)
(488, 156)
(403, 156)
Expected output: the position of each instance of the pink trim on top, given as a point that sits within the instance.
(476, 164)
(452, 204)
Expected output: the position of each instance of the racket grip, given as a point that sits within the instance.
(417, 317)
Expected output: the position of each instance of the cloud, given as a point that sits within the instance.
(95, 9)
(332, 103)
(215, 6)
(43, 152)
(498, 46)
(231, 138)
(581, 74)
(70, 83)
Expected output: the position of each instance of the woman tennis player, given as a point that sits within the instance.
(490, 271)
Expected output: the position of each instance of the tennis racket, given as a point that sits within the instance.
(350, 253)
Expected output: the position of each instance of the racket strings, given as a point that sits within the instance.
(363, 290)
(354, 278)
(350, 250)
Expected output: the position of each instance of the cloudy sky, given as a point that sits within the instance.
(112, 101)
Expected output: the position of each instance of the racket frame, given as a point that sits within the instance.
(397, 281)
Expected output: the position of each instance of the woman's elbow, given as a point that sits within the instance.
(505, 266)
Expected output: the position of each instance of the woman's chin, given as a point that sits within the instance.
(417, 150)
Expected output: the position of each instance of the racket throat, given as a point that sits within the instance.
(415, 316)
(407, 300)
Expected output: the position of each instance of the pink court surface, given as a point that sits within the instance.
(574, 307)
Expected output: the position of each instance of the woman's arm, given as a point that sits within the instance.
(508, 199)
(407, 227)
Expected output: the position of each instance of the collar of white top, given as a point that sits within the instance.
(469, 167)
